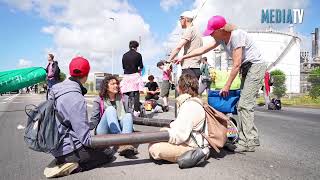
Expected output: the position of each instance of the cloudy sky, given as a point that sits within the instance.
(95, 28)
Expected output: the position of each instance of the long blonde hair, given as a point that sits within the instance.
(229, 27)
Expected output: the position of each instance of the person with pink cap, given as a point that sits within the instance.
(190, 40)
(247, 60)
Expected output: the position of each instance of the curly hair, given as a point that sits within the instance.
(104, 86)
(188, 84)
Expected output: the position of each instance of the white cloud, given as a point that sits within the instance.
(82, 27)
(24, 63)
(245, 14)
(48, 29)
(20, 4)
(167, 4)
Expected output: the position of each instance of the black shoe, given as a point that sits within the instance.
(165, 108)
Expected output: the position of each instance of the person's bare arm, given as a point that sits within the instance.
(236, 57)
(176, 50)
(199, 51)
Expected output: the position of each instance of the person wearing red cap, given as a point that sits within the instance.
(247, 60)
(190, 40)
(74, 153)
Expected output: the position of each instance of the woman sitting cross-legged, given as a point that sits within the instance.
(109, 116)
(190, 122)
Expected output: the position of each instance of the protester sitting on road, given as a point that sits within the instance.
(108, 114)
(132, 82)
(153, 90)
(165, 85)
(247, 60)
(190, 122)
(74, 154)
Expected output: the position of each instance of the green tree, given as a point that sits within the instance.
(63, 76)
(279, 79)
(314, 79)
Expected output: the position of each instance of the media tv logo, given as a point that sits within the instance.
(290, 16)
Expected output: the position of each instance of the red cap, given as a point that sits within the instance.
(79, 67)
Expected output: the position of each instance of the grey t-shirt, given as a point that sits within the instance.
(194, 41)
(250, 51)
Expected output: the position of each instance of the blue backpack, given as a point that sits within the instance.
(41, 133)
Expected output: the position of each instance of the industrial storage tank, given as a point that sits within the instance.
(281, 51)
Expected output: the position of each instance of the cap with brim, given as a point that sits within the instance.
(214, 23)
(79, 67)
(187, 14)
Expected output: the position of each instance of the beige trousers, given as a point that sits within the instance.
(167, 151)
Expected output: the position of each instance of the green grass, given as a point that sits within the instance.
(302, 101)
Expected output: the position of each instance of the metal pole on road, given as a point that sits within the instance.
(152, 122)
(103, 141)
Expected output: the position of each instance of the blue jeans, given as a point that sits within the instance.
(110, 124)
(51, 82)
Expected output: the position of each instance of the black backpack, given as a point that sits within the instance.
(56, 70)
(41, 133)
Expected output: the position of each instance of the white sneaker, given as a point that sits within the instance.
(136, 113)
(54, 170)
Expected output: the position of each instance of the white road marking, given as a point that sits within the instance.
(20, 127)
(17, 102)
(11, 97)
(90, 105)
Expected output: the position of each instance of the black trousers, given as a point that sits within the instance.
(136, 99)
(152, 96)
(87, 158)
(192, 71)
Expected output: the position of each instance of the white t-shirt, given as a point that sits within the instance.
(250, 51)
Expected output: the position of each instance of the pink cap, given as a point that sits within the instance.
(214, 23)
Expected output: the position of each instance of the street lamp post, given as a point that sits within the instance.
(112, 49)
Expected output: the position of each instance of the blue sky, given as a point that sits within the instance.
(22, 37)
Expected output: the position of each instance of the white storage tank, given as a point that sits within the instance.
(281, 51)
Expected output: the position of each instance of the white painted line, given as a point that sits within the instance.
(171, 106)
(8, 98)
(20, 127)
(90, 105)
(17, 102)
(4, 102)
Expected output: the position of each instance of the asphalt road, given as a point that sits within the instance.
(290, 144)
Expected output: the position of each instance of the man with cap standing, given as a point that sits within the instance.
(190, 40)
(247, 60)
(74, 153)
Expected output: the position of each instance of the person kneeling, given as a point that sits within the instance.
(74, 154)
(185, 131)
(109, 116)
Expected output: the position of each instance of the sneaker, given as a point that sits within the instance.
(127, 150)
(239, 148)
(136, 113)
(58, 170)
(165, 108)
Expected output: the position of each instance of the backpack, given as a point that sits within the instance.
(56, 70)
(41, 133)
(275, 104)
(217, 123)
